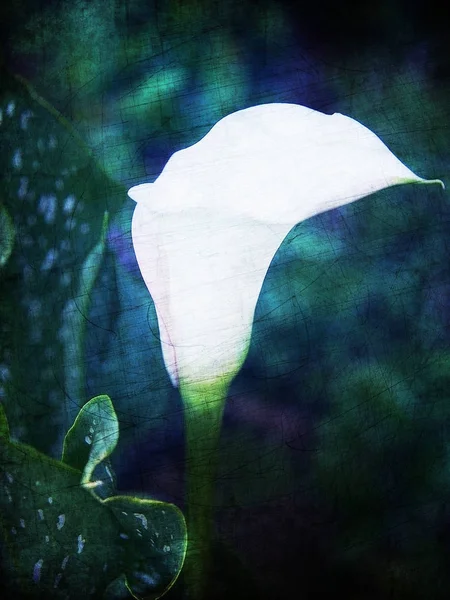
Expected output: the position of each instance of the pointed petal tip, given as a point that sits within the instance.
(422, 181)
(138, 193)
(431, 181)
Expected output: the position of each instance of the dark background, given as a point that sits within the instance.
(334, 474)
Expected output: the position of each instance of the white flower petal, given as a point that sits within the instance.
(206, 231)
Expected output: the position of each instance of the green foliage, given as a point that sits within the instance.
(383, 462)
(58, 200)
(92, 438)
(7, 236)
(62, 541)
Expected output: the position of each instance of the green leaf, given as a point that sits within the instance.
(157, 533)
(104, 473)
(92, 437)
(4, 427)
(56, 196)
(57, 538)
(74, 316)
(59, 541)
(7, 235)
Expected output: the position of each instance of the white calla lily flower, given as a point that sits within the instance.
(206, 231)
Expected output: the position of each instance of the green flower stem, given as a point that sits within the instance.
(204, 405)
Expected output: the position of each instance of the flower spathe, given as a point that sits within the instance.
(206, 231)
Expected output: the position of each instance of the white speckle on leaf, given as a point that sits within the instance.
(23, 188)
(52, 142)
(65, 279)
(22, 523)
(59, 184)
(61, 521)
(125, 513)
(142, 518)
(50, 500)
(105, 566)
(10, 108)
(47, 539)
(91, 430)
(49, 260)
(57, 580)
(124, 536)
(37, 483)
(24, 118)
(85, 228)
(88, 440)
(81, 542)
(17, 159)
(41, 514)
(139, 532)
(13, 530)
(166, 548)
(47, 207)
(69, 203)
(65, 561)
(37, 570)
(70, 224)
(4, 376)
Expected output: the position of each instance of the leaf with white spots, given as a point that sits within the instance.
(61, 542)
(156, 531)
(53, 199)
(58, 549)
(92, 437)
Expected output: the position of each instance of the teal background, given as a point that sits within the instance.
(334, 470)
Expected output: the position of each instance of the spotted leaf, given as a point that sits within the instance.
(61, 542)
(92, 438)
(56, 196)
(155, 533)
